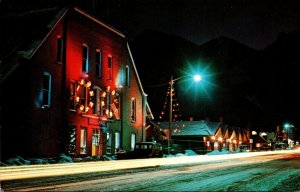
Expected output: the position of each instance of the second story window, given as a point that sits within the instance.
(97, 101)
(133, 110)
(73, 95)
(127, 76)
(46, 89)
(59, 51)
(110, 67)
(98, 63)
(85, 59)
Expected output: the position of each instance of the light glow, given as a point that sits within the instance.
(197, 78)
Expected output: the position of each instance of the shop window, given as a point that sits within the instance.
(83, 136)
(117, 140)
(96, 137)
(132, 141)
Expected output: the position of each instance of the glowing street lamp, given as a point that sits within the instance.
(287, 126)
(196, 78)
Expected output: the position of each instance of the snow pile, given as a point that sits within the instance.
(190, 152)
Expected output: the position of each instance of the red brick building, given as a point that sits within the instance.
(79, 92)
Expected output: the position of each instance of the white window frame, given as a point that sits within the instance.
(96, 137)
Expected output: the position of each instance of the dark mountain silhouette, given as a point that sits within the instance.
(248, 87)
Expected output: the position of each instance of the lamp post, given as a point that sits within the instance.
(287, 126)
(196, 78)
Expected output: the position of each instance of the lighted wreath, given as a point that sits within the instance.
(85, 100)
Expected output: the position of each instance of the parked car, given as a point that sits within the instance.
(243, 148)
(142, 150)
(280, 146)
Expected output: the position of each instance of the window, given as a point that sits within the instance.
(133, 110)
(127, 76)
(132, 141)
(73, 95)
(83, 140)
(98, 63)
(108, 107)
(59, 54)
(108, 144)
(109, 66)
(46, 89)
(72, 139)
(85, 59)
(83, 96)
(97, 101)
(96, 137)
(117, 140)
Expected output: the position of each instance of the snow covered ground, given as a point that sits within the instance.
(264, 171)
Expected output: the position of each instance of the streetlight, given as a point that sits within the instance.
(287, 126)
(196, 78)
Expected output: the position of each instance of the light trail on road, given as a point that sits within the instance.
(37, 171)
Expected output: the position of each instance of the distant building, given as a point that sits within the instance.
(203, 136)
(75, 89)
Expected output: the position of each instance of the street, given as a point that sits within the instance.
(261, 171)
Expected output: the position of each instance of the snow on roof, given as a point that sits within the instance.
(192, 128)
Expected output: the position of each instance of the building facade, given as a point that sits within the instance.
(82, 92)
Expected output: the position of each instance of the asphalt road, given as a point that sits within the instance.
(268, 172)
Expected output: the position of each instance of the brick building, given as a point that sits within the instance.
(75, 90)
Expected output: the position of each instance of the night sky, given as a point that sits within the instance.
(255, 23)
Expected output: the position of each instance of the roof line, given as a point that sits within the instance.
(135, 70)
(52, 28)
(99, 22)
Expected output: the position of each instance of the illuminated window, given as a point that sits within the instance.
(73, 95)
(59, 54)
(132, 141)
(110, 67)
(85, 59)
(108, 144)
(96, 137)
(127, 76)
(117, 140)
(98, 63)
(83, 140)
(133, 110)
(46, 89)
